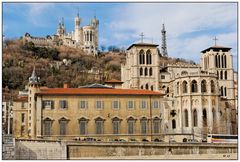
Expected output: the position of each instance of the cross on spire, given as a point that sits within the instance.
(142, 37)
(215, 40)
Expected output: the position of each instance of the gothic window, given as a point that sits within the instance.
(221, 90)
(177, 87)
(203, 86)
(225, 74)
(216, 62)
(141, 71)
(99, 125)
(149, 57)
(184, 86)
(131, 123)
(219, 61)
(186, 117)
(150, 72)
(204, 118)
(221, 75)
(173, 124)
(146, 71)
(217, 75)
(156, 125)
(225, 61)
(143, 125)
(116, 125)
(141, 57)
(212, 86)
(47, 126)
(194, 86)
(152, 88)
(195, 118)
(146, 87)
(222, 61)
(63, 126)
(225, 91)
(83, 126)
(141, 86)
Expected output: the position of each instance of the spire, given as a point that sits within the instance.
(78, 12)
(62, 21)
(164, 41)
(33, 79)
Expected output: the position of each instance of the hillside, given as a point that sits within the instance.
(56, 65)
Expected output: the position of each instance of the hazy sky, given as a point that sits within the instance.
(190, 27)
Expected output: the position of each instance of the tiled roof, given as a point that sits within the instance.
(95, 85)
(142, 44)
(217, 47)
(95, 91)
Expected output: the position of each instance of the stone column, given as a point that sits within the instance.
(209, 114)
(217, 114)
(200, 115)
(39, 117)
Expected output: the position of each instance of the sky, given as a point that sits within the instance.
(191, 27)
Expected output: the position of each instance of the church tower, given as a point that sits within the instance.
(61, 30)
(95, 24)
(33, 88)
(77, 28)
(164, 42)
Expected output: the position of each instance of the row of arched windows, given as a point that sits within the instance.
(221, 61)
(222, 75)
(223, 91)
(146, 86)
(194, 86)
(146, 71)
(195, 118)
(143, 57)
(89, 36)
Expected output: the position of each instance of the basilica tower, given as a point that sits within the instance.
(77, 28)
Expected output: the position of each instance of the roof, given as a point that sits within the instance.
(96, 91)
(21, 99)
(142, 44)
(217, 48)
(114, 81)
(95, 85)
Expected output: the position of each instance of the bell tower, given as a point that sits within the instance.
(77, 28)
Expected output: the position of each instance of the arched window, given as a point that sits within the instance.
(177, 87)
(141, 86)
(219, 61)
(225, 74)
(195, 118)
(216, 62)
(173, 124)
(221, 75)
(149, 57)
(203, 86)
(150, 72)
(146, 87)
(222, 61)
(212, 87)
(204, 118)
(141, 57)
(186, 117)
(152, 87)
(184, 84)
(194, 86)
(225, 61)
(141, 71)
(146, 71)
(225, 91)
(221, 90)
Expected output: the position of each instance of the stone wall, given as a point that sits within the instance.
(40, 149)
(8, 144)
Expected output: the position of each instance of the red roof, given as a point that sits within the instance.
(95, 91)
(113, 81)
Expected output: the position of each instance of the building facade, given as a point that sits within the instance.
(83, 37)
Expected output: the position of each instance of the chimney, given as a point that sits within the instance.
(66, 85)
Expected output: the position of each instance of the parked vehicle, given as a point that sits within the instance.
(222, 138)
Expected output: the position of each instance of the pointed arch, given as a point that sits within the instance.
(194, 86)
(141, 71)
(150, 71)
(141, 57)
(195, 118)
(146, 71)
(203, 86)
(221, 74)
(146, 87)
(186, 117)
(225, 75)
(149, 57)
(212, 86)
(184, 85)
(204, 117)
(173, 124)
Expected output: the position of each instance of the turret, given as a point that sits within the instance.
(164, 42)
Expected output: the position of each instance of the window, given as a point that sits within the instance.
(221, 90)
(99, 126)
(156, 125)
(143, 123)
(155, 104)
(225, 61)
(22, 105)
(203, 86)
(151, 87)
(48, 104)
(63, 104)
(143, 104)
(186, 118)
(116, 125)
(184, 86)
(99, 104)
(221, 75)
(83, 126)
(212, 86)
(173, 124)
(149, 57)
(47, 124)
(146, 71)
(23, 117)
(162, 76)
(194, 86)
(225, 91)
(225, 74)
(130, 105)
(146, 86)
(83, 104)
(195, 118)
(63, 126)
(141, 71)
(204, 118)
(115, 104)
(141, 57)
(131, 122)
(150, 72)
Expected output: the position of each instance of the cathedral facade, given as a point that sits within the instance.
(83, 37)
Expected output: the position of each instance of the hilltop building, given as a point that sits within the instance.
(85, 37)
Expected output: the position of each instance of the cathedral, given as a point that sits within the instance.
(85, 37)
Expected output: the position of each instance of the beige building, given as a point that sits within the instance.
(85, 37)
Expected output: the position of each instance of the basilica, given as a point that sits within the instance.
(85, 37)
